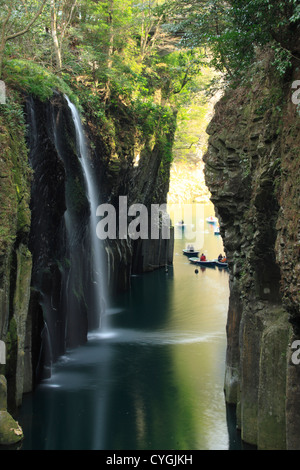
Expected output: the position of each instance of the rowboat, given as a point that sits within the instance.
(219, 264)
(212, 220)
(208, 263)
(189, 253)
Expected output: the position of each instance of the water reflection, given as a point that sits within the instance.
(153, 379)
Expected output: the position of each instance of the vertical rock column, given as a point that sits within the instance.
(252, 171)
(21, 359)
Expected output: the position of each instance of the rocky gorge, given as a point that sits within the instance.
(252, 170)
(47, 274)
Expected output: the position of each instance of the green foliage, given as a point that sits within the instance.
(143, 62)
(15, 173)
(282, 59)
(111, 50)
(34, 79)
(233, 30)
(131, 49)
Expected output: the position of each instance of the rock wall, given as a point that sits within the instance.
(45, 251)
(61, 299)
(62, 274)
(135, 163)
(15, 267)
(252, 168)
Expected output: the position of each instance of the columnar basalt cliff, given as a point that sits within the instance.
(252, 169)
(46, 273)
(137, 165)
(15, 268)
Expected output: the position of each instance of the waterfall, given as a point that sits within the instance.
(83, 153)
(69, 285)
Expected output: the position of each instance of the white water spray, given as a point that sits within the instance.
(93, 197)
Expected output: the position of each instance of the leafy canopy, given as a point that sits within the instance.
(232, 30)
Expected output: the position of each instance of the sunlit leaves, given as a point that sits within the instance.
(233, 29)
(16, 19)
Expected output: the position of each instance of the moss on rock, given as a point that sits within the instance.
(3, 393)
(252, 171)
(10, 430)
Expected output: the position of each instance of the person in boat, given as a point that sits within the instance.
(203, 257)
(224, 260)
(220, 257)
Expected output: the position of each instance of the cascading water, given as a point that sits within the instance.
(93, 197)
(68, 278)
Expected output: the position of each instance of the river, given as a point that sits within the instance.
(153, 379)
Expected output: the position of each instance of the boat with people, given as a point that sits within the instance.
(180, 224)
(206, 263)
(221, 262)
(190, 251)
(212, 220)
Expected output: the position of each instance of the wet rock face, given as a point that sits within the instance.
(60, 237)
(56, 242)
(46, 275)
(144, 182)
(251, 169)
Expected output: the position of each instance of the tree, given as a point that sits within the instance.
(232, 30)
(15, 12)
(64, 11)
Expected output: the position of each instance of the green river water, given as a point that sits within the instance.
(153, 379)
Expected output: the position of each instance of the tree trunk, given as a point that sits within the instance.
(110, 50)
(1, 58)
(54, 36)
